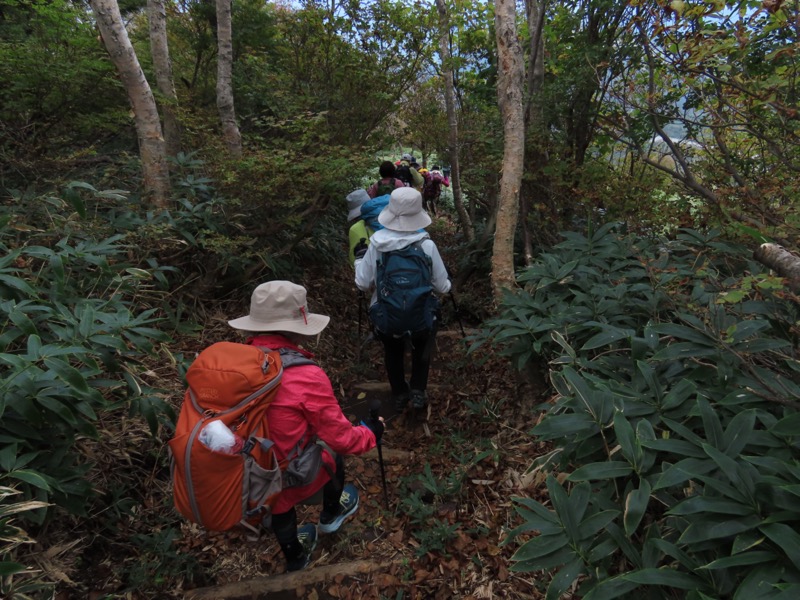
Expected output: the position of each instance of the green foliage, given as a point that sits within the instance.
(159, 564)
(676, 423)
(73, 338)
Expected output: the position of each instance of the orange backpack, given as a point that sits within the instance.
(235, 384)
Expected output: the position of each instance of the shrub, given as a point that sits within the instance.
(75, 330)
(675, 425)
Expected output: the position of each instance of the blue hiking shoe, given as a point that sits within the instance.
(419, 399)
(349, 505)
(307, 536)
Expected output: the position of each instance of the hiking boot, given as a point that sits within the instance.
(348, 504)
(400, 401)
(418, 399)
(307, 536)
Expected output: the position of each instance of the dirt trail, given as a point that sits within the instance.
(451, 473)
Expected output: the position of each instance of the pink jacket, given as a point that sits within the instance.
(372, 191)
(303, 407)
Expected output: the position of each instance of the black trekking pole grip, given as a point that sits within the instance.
(374, 414)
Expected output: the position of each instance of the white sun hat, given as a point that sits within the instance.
(280, 306)
(404, 211)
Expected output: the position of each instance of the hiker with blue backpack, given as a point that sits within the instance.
(304, 413)
(362, 218)
(403, 268)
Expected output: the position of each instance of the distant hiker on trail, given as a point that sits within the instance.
(358, 232)
(388, 181)
(305, 408)
(433, 188)
(363, 214)
(403, 249)
(407, 172)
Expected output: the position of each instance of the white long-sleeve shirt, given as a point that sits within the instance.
(386, 240)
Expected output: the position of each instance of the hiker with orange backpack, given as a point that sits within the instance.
(302, 430)
(305, 407)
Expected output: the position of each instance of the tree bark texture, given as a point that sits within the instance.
(780, 260)
(452, 119)
(227, 113)
(155, 171)
(509, 97)
(159, 49)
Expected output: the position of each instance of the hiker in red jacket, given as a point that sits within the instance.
(304, 409)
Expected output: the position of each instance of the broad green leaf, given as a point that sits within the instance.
(536, 507)
(665, 576)
(608, 589)
(562, 580)
(601, 470)
(788, 426)
(737, 433)
(745, 541)
(70, 375)
(684, 350)
(606, 337)
(711, 423)
(786, 538)
(8, 568)
(743, 559)
(549, 561)
(714, 529)
(18, 284)
(725, 463)
(32, 477)
(682, 332)
(596, 522)
(683, 470)
(635, 506)
(560, 500)
(705, 504)
(539, 546)
(626, 439)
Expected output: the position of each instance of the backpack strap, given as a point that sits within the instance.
(293, 358)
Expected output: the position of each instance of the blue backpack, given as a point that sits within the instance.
(406, 303)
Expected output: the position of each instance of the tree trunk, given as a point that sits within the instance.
(780, 260)
(155, 172)
(452, 120)
(509, 97)
(159, 48)
(533, 189)
(227, 113)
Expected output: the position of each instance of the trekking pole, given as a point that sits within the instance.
(360, 310)
(458, 316)
(374, 410)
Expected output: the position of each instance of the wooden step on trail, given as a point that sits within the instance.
(261, 587)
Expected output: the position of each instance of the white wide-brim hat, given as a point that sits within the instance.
(280, 306)
(354, 201)
(404, 211)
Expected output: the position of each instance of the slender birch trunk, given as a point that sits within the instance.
(155, 172)
(227, 113)
(532, 191)
(159, 48)
(509, 97)
(452, 119)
